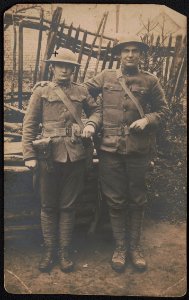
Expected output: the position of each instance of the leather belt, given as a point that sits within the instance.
(57, 132)
(121, 131)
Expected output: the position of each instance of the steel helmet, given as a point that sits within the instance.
(63, 55)
(127, 41)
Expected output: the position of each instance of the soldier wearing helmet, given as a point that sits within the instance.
(134, 106)
(61, 181)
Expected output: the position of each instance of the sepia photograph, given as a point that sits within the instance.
(95, 149)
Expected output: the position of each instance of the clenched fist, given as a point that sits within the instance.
(88, 131)
(31, 164)
(139, 124)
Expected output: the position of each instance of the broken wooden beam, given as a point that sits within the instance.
(13, 126)
(15, 109)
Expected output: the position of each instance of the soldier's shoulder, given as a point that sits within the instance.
(80, 87)
(41, 85)
(108, 71)
(149, 75)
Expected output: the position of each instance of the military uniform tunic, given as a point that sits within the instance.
(119, 110)
(60, 188)
(123, 158)
(47, 108)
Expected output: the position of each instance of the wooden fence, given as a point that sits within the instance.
(166, 58)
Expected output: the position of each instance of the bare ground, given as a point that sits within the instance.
(164, 245)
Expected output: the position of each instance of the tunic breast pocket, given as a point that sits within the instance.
(112, 93)
(139, 91)
(52, 108)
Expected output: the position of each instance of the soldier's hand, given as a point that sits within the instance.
(88, 131)
(31, 164)
(139, 124)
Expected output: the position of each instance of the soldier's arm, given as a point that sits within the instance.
(95, 84)
(92, 110)
(31, 123)
(159, 108)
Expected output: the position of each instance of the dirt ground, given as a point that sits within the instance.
(164, 245)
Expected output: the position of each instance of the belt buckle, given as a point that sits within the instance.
(68, 131)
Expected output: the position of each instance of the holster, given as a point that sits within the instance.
(43, 148)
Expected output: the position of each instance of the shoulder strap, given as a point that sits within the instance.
(129, 93)
(68, 102)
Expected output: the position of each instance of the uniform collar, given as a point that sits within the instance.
(63, 84)
(128, 71)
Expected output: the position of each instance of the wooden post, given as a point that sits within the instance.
(20, 65)
(14, 57)
(76, 39)
(92, 46)
(60, 35)
(112, 56)
(100, 43)
(80, 55)
(38, 47)
(68, 39)
(106, 56)
(173, 68)
(51, 41)
(167, 59)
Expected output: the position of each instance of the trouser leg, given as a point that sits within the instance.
(114, 188)
(137, 216)
(72, 185)
(117, 219)
(66, 225)
(49, 215)
(137, 171)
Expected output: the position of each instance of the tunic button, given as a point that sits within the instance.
(124, 110)
(65, 109)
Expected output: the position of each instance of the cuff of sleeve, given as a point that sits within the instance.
(91, 123)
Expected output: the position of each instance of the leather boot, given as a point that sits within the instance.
(46, 262)
(117, 218)
(66, 228)
(136, 253)
(49, 230)
(66, 264)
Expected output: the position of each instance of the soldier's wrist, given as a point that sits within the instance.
(92, 124)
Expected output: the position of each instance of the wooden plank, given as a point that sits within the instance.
(38, 47)
(68, 43)
(9, 158)
(14, 109)
(20, 65)
(13, 148)
(92, 45)
(167, 59)
(100, 43)
(76, 39)
(178, 45)
(51, 41)
(80, 55)
(106, 56)
(14, 56)
(13, 126)
(8, 20)
(16, 169)
(112, 57)
(59, 34)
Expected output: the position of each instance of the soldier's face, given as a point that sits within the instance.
(62, 71)
(130, 56)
